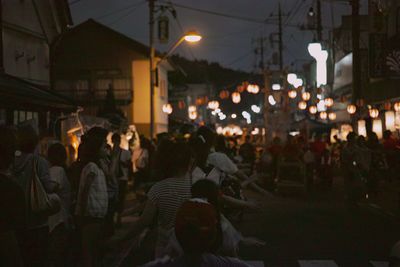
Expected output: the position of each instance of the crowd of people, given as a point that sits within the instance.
(58, 215)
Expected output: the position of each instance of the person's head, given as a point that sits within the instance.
(180, 158)
(351, 138)
(207, 134)
(163, 156)
(196, 227)
(387, 134)
(247, 138)
(361, 140)
(57, 155)
(373, 137)
(116, 139)
(7, 147)
(94, 145)
(200, 150)
(206, 189)
(27, 138)
(220, 143)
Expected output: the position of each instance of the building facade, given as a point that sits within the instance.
(91, 60)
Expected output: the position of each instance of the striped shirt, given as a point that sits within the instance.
(168, 196)
(207, 260)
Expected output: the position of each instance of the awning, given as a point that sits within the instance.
(20, 94)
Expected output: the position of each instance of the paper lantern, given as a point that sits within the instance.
(302, 105)
(351, 109)
(323, 115)
(334, 132)
(377, 127)
(397, 106)
(332, 116)
(374, 113)
(224, 94)
(312, 109)
(292, 94)
(390, 121)
(253, 88)
(306, 96)
(181, 104)
(361, 127)
(167, 108)
(236, 97)
(329, 102)
(192, 111)
(213, 105)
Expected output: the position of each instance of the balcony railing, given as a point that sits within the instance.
(96, 96)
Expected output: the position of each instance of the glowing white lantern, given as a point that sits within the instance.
(332, 116)
(377, 128)
(167, 108)
(233, 116)
(345, 129)
(361, 127)
(320, 56)
(328, 102)
(323, 115)
(397, 106)
(213, 105)
(255, 108)
(253, 88)
(312, 109)
(374, 113)
(292, 94)
(276, 87)
(351, 109)
(302, 105)
(192, 110)
(390, 121)
(271, 100)
(236, 97)
(306, 96)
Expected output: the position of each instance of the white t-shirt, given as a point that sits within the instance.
(58, 175)
(222, 162)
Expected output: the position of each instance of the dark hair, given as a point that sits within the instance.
(7, 147)
(220, 144)
(351, 137)
(180, 158)
(27, 138)
(208, 134)
(91, 144)
(162, 157)
(57, 155)
(200, 151)
(116, 138)
(387, 134)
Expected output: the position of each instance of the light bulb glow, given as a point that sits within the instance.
(302, 105)
(332, 116)
(255, 108)
(253, 88)
(323, 115)
(291, 78)
(167, 108)
(374, 113)
(236, 97)
(306, 96)
(292, 94)
(233, 116)
(271, 100)
(351, 109)
(276, 87)
(213, 104)
(312, 109)
(192, 37)
(328, 102)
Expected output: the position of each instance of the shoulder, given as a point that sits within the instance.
(91, 167)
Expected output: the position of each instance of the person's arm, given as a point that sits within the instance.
(85, 191)
(238, 203)
(42, 168)
(145, 220)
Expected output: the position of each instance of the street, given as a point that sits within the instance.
(319, 228)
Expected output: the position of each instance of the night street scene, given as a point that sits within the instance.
(212, 133)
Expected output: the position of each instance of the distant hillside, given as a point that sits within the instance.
(202, 71)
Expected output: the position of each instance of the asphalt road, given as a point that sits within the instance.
(319, 227)
(300, 230)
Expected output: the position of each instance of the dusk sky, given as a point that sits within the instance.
(226, 40)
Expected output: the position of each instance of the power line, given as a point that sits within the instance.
(74, 2)
(131, 10)
(120, 10)
(215, 13)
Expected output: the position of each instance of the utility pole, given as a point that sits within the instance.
(319, 21)
(280, 38)
(152, 65)
(355, 7)
(1, 39)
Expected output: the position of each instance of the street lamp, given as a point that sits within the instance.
(190, 37)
